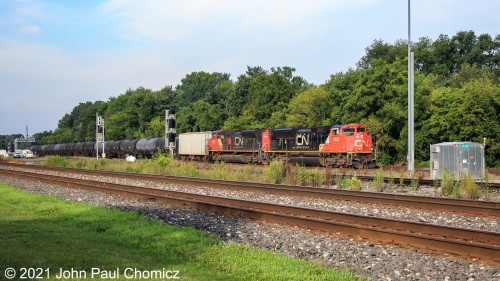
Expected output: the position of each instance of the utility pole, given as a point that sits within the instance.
(411, 98)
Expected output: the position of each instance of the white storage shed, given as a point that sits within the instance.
(457, 158)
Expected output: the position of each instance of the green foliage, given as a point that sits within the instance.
(309, 108)
(448, 184)
(442, 57)
(391, 181)
(468, 188)
(200, 116)
(275, 172)
(7, 141)
(57, 161)
(270, 92)
(164, 160)
(80, 164)
(212, 88)
(220, 172)
(414, 182)
(77, 125)
(100, 164)
(306, 176)
(354, 183)
(378, 181)
(342, 182)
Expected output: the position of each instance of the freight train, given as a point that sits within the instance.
(347, 145)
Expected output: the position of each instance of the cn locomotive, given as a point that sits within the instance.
(347, 145)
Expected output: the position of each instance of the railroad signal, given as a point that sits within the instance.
(170, 129)
(99, 136)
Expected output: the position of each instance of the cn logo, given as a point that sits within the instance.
(302, 139)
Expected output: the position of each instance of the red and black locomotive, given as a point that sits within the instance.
(346, 145)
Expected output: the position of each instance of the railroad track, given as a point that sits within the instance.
(429, 203)
(494, 186)
(484, 245)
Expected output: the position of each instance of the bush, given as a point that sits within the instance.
(341, 182)
(384, 159)
(299, 175)
(275, 172)
(164, 160)
(57, 161)
(468, 188)
(423, 164)
(354, 183)
(378, 181)
(81, 164)
(414, 182)
(448, 186)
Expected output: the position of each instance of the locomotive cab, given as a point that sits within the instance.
(348, 145)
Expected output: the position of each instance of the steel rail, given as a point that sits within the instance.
(484, 208)
(483, 245)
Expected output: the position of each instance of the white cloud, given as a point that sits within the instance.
(177, 20)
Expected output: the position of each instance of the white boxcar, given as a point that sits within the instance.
(194, 143)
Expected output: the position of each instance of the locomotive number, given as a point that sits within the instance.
(336, 139)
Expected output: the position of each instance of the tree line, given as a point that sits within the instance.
(457, 98)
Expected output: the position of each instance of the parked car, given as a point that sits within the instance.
(27, 154)
(17, 155)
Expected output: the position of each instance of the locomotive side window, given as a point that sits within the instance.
(335, 131)
(348, 131)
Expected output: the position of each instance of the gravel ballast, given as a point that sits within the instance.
(374, 261)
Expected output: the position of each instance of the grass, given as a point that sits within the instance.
(378, 181)
(57, 161)
(276, 172)
(46, 232)
(468, 188)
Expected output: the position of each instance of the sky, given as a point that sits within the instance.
(56, 54)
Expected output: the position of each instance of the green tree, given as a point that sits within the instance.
(309, 108)
(200, 116)
(480, 116)
(239, 97)
(271, 92)
(80, 122)
(213, 88)
(379, 50)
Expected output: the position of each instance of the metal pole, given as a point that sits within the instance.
(96, 137)
(103, 139)
(167, 144)
(410, 99)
